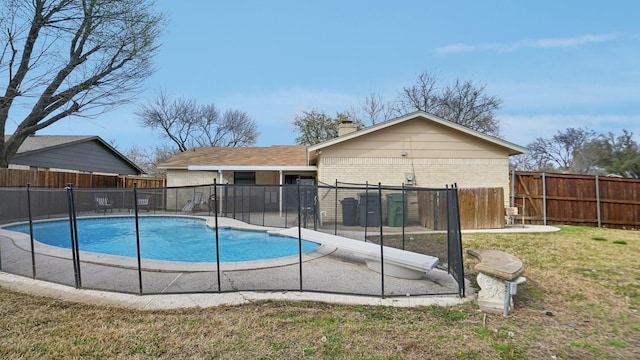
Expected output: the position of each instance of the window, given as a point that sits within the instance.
(244, 177)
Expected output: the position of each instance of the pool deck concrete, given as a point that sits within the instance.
(192, 300)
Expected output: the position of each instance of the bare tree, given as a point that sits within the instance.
(188, 124)
(562, 149)
(376, 109)
(148, 159)
(424, 95)
(463, 103)
(241, 129)
(63, 57)
(527, 162)
(174, 118)
(466, 104)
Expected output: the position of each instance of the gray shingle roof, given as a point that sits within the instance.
(39, 142)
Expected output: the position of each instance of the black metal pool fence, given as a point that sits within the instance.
(419, 220)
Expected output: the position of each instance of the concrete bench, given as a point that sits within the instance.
(498, 278)
(397, 263)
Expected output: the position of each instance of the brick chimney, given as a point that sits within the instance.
(347, 127)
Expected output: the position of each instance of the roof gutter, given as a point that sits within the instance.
(250, 168)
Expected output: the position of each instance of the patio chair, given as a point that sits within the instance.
(193, 204)
(308, 212)
(143, 202)
(102, 202)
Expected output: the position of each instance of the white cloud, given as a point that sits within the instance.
(570, 42)
(455, 48)
(544, 43)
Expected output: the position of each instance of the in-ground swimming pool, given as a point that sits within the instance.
(166, 238)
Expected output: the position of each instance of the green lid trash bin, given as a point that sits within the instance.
(397, 209)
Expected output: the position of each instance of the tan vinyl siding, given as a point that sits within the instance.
(419, 139)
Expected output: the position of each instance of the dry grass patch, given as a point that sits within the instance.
(583, 292)
(581, 301)
(434, 244)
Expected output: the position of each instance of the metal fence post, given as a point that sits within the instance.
(335, 206)
(285, 203)
(404, 199)
(461, 288)
(449, 220)
(381, 240)
(176, 200)
(215, 215)
(454, 239)
(366, 209)
(33, 252)
(264, 201)
(73, 228)
(135, 213)
(249, 210)
(299, 236)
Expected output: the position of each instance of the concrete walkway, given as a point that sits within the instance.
(174, 301)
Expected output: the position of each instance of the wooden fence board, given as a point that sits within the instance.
(578, 199)
(432, 209)
(481, 208)
(60, 179)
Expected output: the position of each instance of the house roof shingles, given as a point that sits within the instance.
(40, 142)
(281, 156)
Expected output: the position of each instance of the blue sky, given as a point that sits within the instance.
(555, 64)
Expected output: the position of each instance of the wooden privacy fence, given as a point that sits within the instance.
(480, 208)
(60, 179)
(577, 199)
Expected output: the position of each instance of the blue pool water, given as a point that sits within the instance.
(165, 238)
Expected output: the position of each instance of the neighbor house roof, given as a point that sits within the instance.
(45, 142)
(512, 148)
(281, 157)
(73, 152)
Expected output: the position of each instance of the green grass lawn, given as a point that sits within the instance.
(581, 301)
